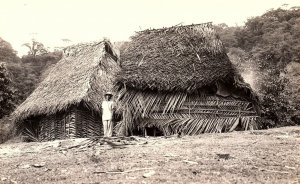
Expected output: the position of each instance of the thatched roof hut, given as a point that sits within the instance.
(76, 83)
(179, 77)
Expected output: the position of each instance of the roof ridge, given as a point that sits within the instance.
(208, 24)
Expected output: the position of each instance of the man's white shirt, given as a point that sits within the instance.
(107, 110)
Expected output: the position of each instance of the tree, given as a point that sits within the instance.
(273, 37)
(35, 48)
(7, 54)
(6, 92)
(227, 35)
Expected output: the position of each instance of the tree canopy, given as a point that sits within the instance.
(35, 48)
(266, 46)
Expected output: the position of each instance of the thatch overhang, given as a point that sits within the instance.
(83, 75)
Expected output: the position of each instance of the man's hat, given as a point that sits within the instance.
(108, 93)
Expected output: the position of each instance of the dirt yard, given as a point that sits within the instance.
(267, 156)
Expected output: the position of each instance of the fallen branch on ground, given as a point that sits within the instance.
(120, 172)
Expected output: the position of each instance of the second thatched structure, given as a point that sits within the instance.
(180, 80)
(66, 104)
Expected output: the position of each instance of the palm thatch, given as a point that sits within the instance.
(163, 69)
(182, 58)
(84, 74)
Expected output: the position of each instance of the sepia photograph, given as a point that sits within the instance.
(149, 91)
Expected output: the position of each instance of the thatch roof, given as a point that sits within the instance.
(84, 74)
(180, 58)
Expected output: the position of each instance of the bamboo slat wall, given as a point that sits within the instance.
(75, 122)
(88, 123)
(57, 126)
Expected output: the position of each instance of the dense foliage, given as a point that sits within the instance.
(267, 45)
(6, 92)
(25, 72)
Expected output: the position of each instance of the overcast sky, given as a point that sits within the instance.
(50, 21)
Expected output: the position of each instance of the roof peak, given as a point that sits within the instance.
(83, 47)
(91, 43)
(178, 26)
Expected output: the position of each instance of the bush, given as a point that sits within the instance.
(6, 129)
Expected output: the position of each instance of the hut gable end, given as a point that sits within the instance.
(72, 80)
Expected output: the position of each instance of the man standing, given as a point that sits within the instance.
(107, 114)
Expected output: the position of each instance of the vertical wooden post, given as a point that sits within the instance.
(70, 124)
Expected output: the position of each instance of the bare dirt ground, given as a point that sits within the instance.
(266, 156)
